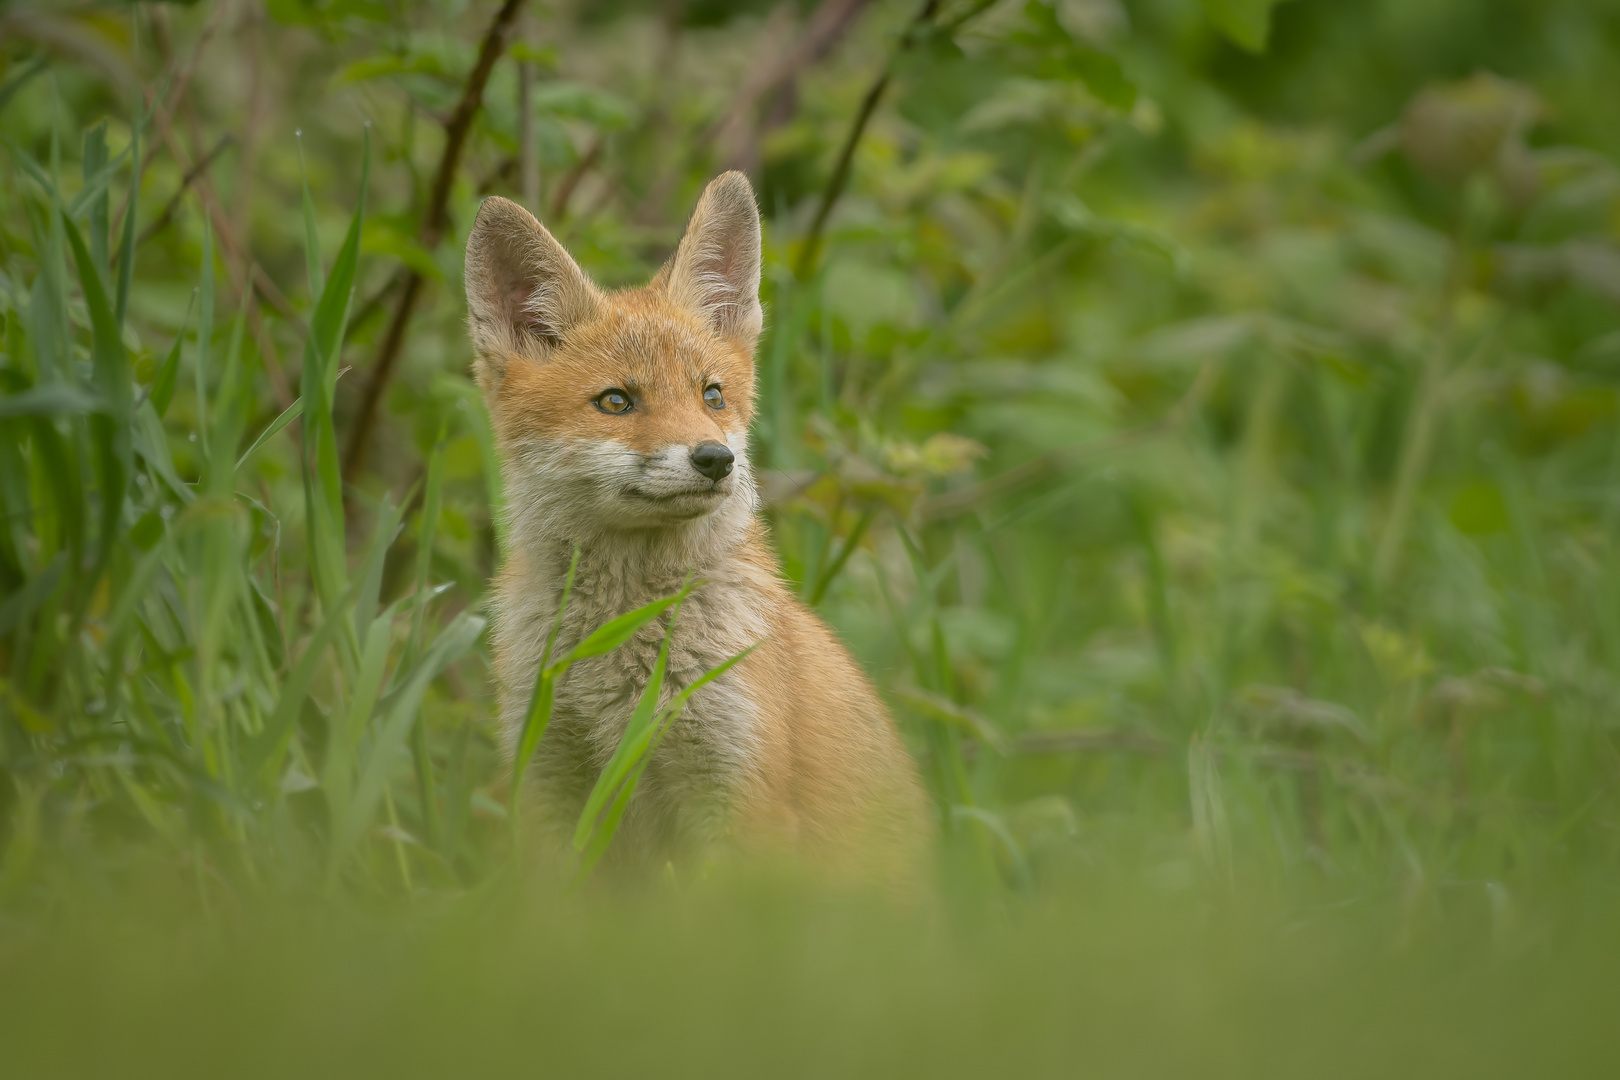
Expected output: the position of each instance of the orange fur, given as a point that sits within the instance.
(791, 753)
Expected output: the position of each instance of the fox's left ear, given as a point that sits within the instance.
(715, 271)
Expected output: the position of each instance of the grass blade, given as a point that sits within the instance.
(535, 722)
(402, 713)
(205, 334)
(126, 246)
(168, 375)
(95, 161)
(633, 744)
(288, 415)
(602, 836)
(323, 485)
(538, 715)
(312, 243)
(611, 635)
(264, 757)
(52, 399)
(21, 79)
(109, 431)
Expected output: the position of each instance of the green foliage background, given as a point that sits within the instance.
(1198, 415)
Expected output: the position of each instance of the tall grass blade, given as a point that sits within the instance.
(205, 334)
(126, 245)
(168, 375)
(287, 416)
(264, 757)
(538, 715)
(420, 753)
(632, 747)
(22, 78)
(95, 160)
(109, 430)
(323, 485)
(402, 708)
(602, 832)
(312, 242)
(52, 399)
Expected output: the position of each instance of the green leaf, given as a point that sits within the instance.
(52, 399)
(1100, 72)
(580, 101)
(1103, 76)
(1246, 22)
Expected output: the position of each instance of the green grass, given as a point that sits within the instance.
(1211, 455)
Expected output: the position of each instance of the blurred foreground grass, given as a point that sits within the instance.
(1200, 419)
(751, 979)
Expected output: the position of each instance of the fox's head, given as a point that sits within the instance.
(620, 410)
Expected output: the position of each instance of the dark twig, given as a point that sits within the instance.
(916, 31)
(736, 132)
(435, 219)
(846, 155)
(571, 179)
(162, 220)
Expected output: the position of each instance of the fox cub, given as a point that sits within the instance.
(622, 420)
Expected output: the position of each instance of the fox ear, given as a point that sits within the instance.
(524, 292)
(715, 271)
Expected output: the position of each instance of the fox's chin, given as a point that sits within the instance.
(662, 508)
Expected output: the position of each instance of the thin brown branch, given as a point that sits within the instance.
(571, 179)
(811, 248)
(247, 174)
(159, 223)
(435, 218)
(736, 133)
(243, 274)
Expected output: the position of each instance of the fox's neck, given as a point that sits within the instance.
(628, 567)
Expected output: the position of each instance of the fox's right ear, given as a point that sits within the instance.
(524, 292)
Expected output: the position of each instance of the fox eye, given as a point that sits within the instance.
(613, 401)
(713, 398)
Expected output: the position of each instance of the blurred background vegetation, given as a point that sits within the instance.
(1198, 415)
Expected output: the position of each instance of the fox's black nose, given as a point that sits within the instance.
(713, 460)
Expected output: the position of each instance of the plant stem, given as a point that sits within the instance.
(435, 219)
